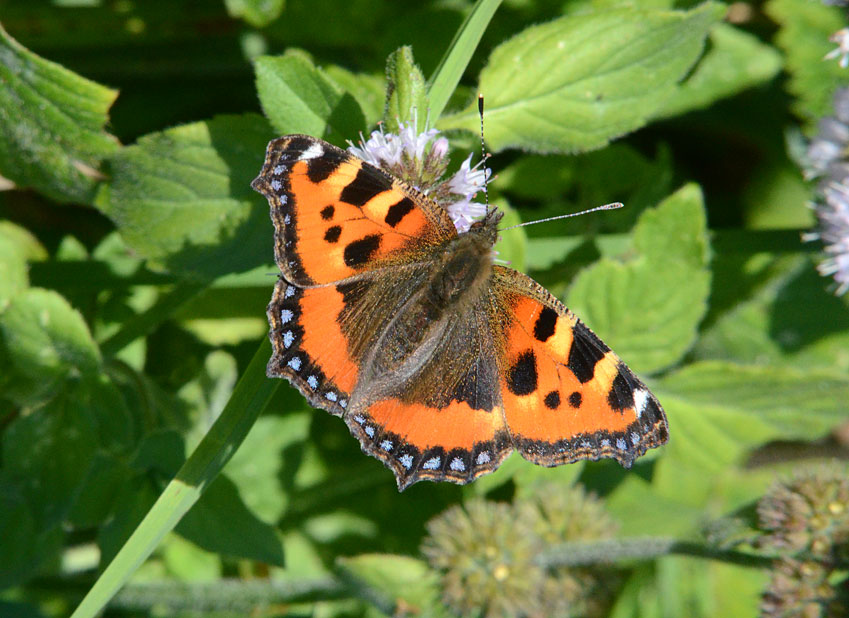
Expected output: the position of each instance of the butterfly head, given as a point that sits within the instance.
(487, 228)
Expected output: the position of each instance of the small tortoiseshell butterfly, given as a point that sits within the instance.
(440, 361)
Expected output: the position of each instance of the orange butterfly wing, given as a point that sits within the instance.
(433, 427)
(336, 216)
(566, 395)
(514, 369)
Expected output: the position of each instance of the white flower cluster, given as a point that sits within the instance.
(421, 160)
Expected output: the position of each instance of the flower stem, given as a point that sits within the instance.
(614, 550)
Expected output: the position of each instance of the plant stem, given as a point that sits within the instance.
(614, 550)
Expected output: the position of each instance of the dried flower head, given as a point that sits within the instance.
(808, 514)
(488, 555)
(804, 590)
(807, 520)
(421, 159)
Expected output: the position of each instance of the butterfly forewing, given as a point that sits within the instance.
(336, 216)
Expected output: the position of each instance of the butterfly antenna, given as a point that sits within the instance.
(484, 155)
(612, 206)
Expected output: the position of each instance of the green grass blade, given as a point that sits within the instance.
(249, 398)
(447, 75)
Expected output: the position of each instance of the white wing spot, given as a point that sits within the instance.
(286, 218)
(369, 431)
(605, 443)
(313, 382)
(283, 200)
(279, 169)
(586, 443)
(286, 315)
(288, 338)
(620, 444)
(641, 399)
(386, 445)
(343, 403)
(295, 363)
(290, 292)
(406, 461)
(359, 417)
(431, 464)
(457, 465)
(330, 396)
(483, 458)
(276, 184)
(313, 152)
(635, 437)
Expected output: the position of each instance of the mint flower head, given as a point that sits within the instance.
(828, 161)
(833, 230)
(421, 159)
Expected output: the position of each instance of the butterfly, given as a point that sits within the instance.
(440, 361)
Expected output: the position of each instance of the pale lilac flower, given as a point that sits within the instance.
(421, 159)
(841, 37)
(833, 216)
(467, 182)
(828, 150)
(381, 149)
(828, 160)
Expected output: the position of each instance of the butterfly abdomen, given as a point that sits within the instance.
(455, 283)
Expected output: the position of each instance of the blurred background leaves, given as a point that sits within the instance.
(134, 274)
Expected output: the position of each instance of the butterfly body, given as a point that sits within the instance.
(440, 361)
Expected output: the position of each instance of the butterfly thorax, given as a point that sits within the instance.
(457, 278)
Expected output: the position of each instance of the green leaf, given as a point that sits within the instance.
(25, 543)
(51, 125)
(649, 307)
(259, 467)
(220, 522)
(297, 98)
(369, 91)
(257, 13)
(788, 404)
(677, 586)
(718, 412)
(805, 28)
(14, 275)
(406, 95)
(396, 577)
(735, 60)
(512, 244)
(28, 245)
(50, 452)
(775, 326)
(182, 197)
(577, 82)
(45, 341)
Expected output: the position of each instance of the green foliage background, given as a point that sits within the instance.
(134, 262)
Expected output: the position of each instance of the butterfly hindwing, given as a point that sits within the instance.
(309, 348)
(336, 216)
(444, 420)
(566, 395)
